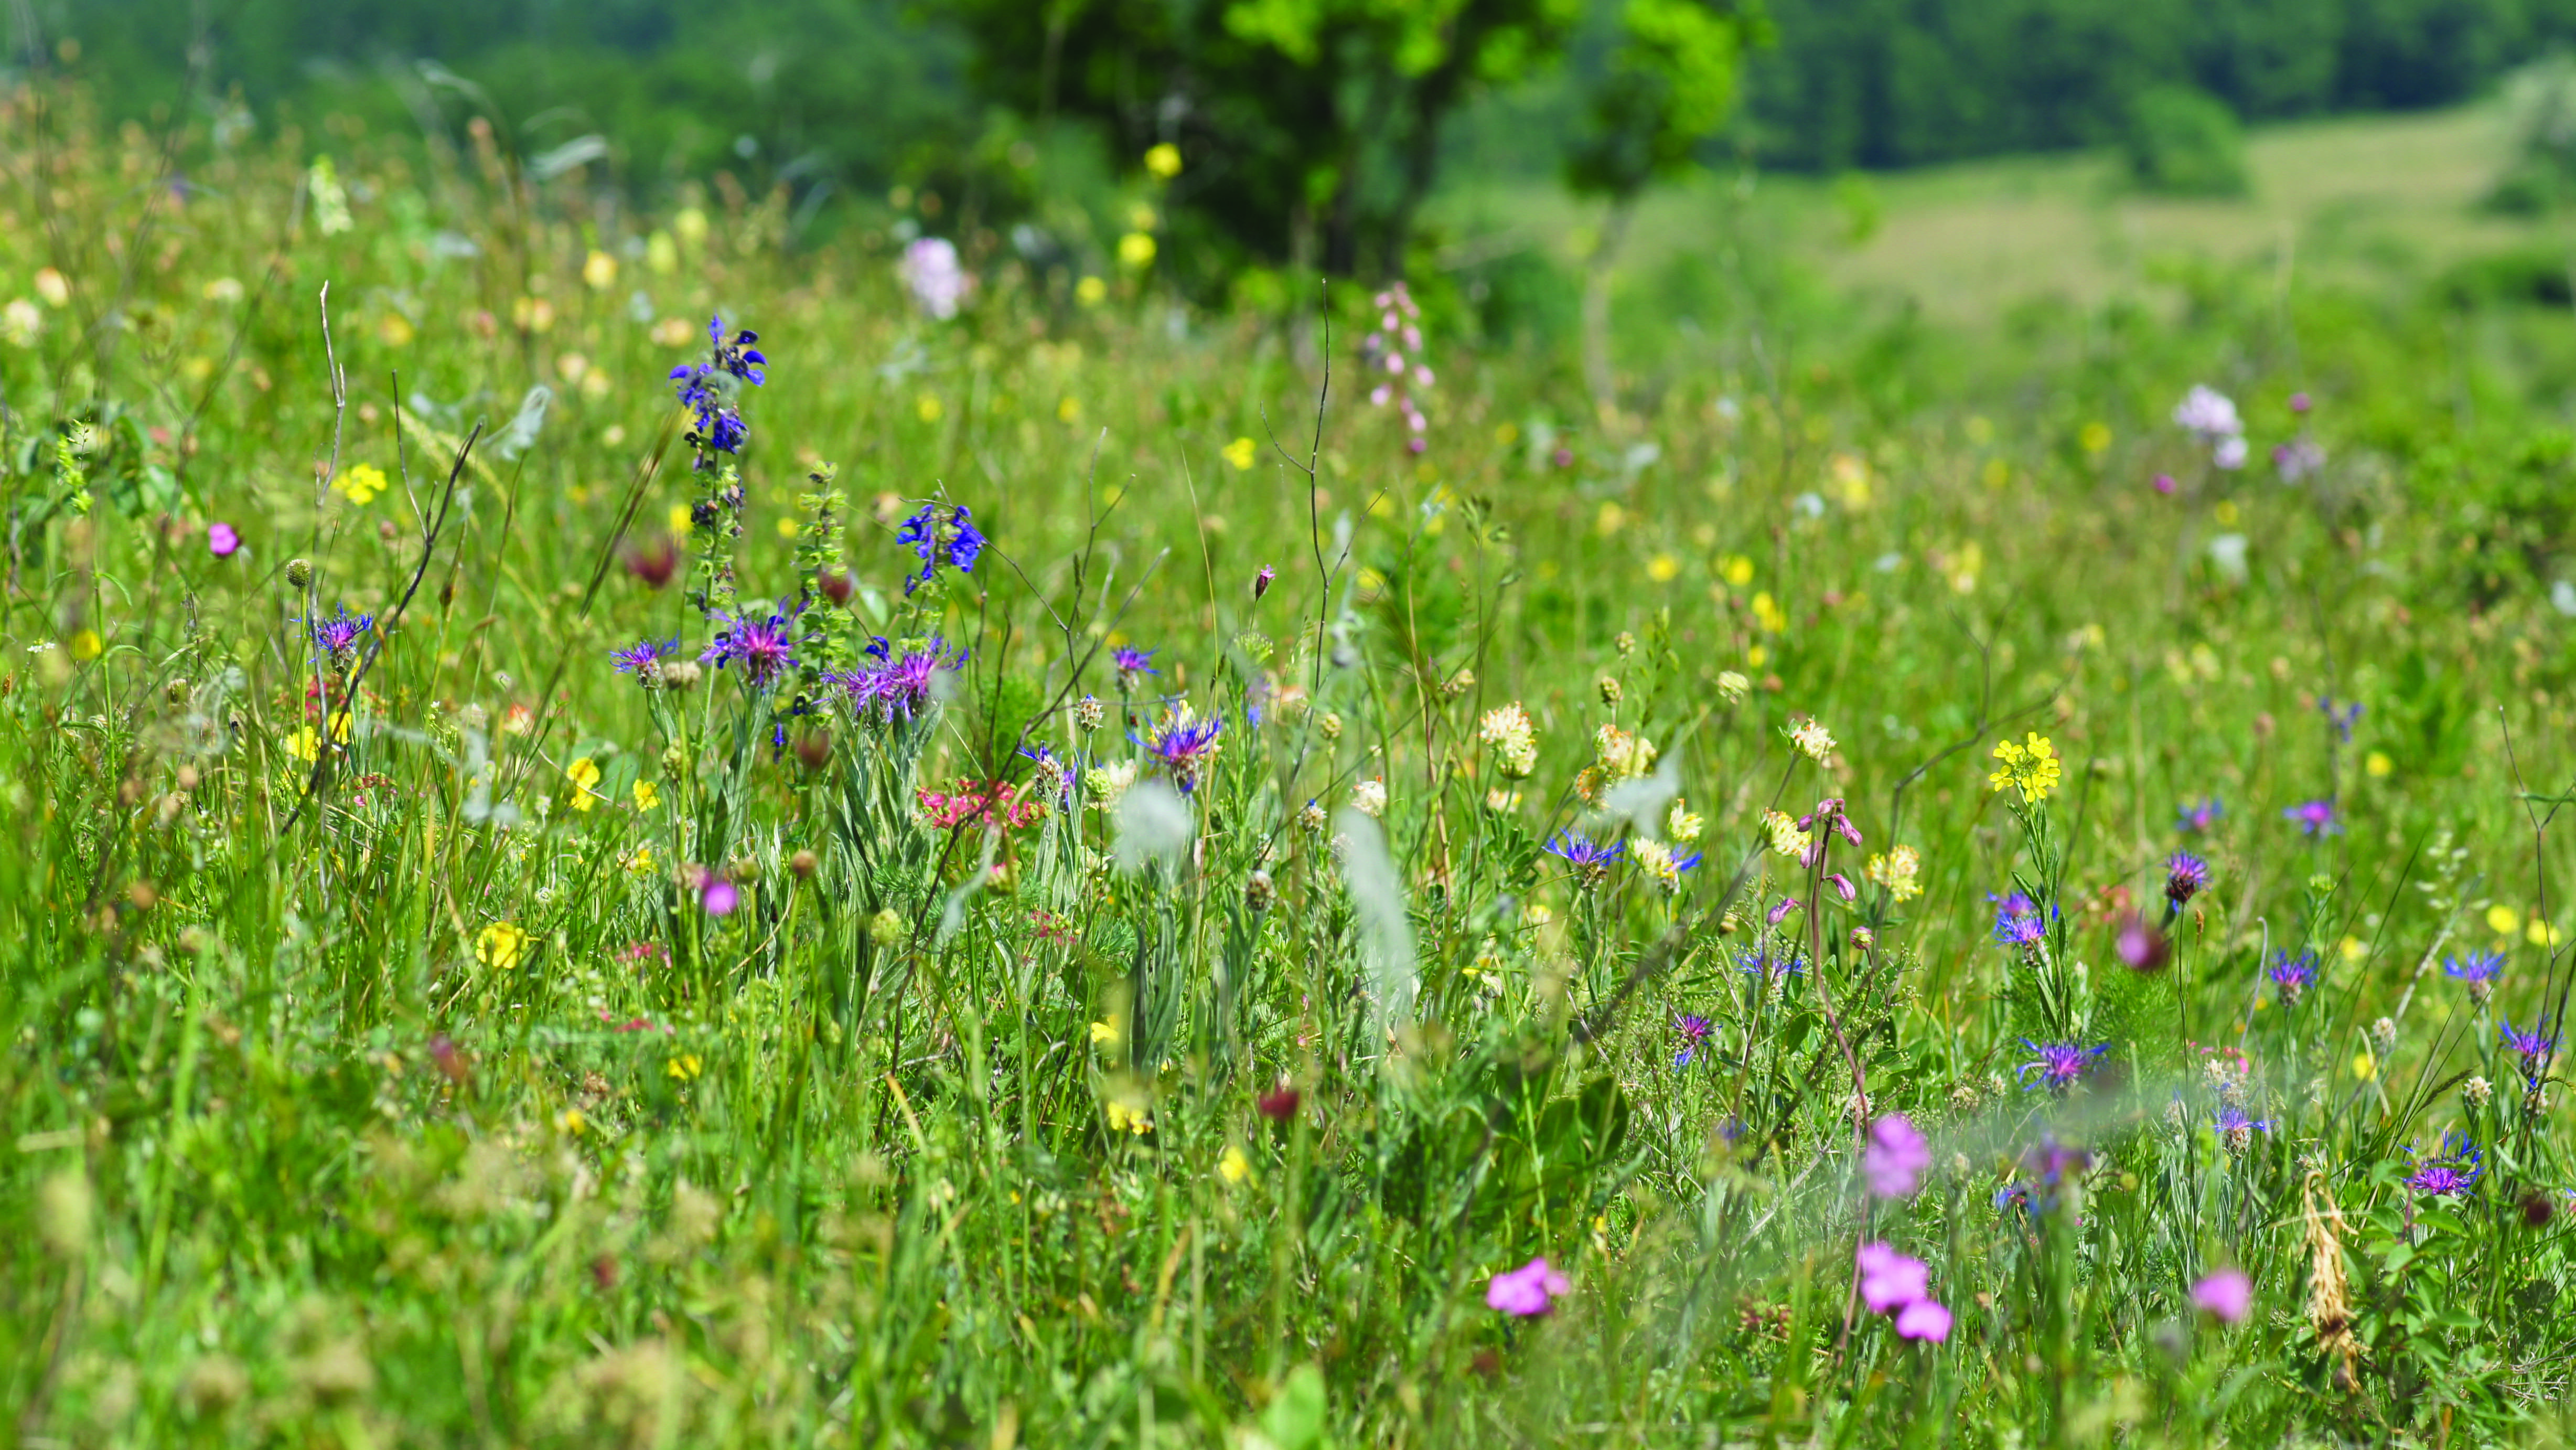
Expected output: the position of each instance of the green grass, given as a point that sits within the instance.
(406, 1088)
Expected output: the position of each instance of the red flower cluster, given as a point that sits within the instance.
(975, 802)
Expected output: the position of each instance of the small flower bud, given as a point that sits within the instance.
(1458, 684)
(1611, 690)
(1731, 687)
(803, 864)
(1261, 581)
(681, 675)
(299, 573)
(654, 563)
(836, 585)
(1332, 725)
(814, 749)
(886, 928)
(1259, 893)
(2383, 1035)
(1088, 712)
(1625, 644)
(1863, 940)
(175, 692)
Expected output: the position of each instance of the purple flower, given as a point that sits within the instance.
(2478, 969)
(2450, 1172)
(1760, 962)
(2297, 459)
(897, 684)
(2059, 1065)
(2018, 920)
(930, 268)
(2227, 1294)
(1780, 911)
(2186, 876)
(2141, 947)
(1694, 1030)
(1184, 743)
(2342, 720)
(2236, 1128)
(762, 646)
(2531, 1046)
(1582, 852)
(1924, 1319)
(1526, 1292)
(718, 426)
(1261, 581)
(2292, 975)
(1889, 1280)
(2200, 817)
(338, 635)
(940, 532)
(719, 896)
(222, 540)
(1895, 1160)
(642, 658)
(2314, 818)
(1131, 662)
(2165, 484)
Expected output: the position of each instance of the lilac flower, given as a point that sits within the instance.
(763, 646)
(1924, 1319)
(2530, 1046)
(2297, 459)
(2059, 1065)
(643, 659)
(1694, 1030)
(2227, 1294)
(2292, 976)
(2229, 454)
(930, 271)
(2018, 920)
(719, 896)
(940, 532)
(2186, 876)
(1184, 743)
(1780, 911)
(2208, 414)
(222, 540)
(2200, 817)
(2450, 1172)
(1526, 1292)
(2342, 720)
(2314, 818)
(1889, 1280)
(1896, 1158)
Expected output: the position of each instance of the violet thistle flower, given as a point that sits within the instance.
(2200, 816)
(643, 660)
(2227, 1295)
(1184, 744)
(2479, 970)
(337, 636)
(897, 686)
(2018, 920)
(764, 647)
(2292, 975)
(2186, 876)
(1694, 1030)
(1589, 859)
(2450, 1172)
(2530, 1046)
(2314, 818)
(1896, 1158)
(2058, 1065)
(2236, 1129)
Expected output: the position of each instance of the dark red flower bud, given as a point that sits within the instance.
(837, 585)
(1279, 1104)
(654, 563)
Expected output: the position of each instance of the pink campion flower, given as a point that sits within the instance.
(1924, 1319)
(2226, 1293)
(1896, 1158)
(1526, 1292)
(1889, 1280)
(222, 540)
(720, 896)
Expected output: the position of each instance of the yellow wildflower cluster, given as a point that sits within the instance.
(1657, 861)
(2031, 768)
(1786, 838)
(501, 945)
(1900, 871)
(1514, 738)
(1681, 824)
(1812, 739)
(1617, 756)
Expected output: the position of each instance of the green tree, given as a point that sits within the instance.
(1310, 129)
(1670, 83)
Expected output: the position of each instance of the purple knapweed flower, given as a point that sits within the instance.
(2226, 1294)
(2450, 1172)
(2018, 920)
(643, 658)
(2186, 876)
(1132, 664)
(338, 635)
(1582, 852)
(719, 897)
(1694, 1030)
(763, 645)
(2292, 975)
(1896, 1158)
(2236, 1128)
(2479, 970)
(2314, 818)
(2058, 1065)
(897, 685)
(1526, 1292)
(1183, 743)
(222, 540)
(2530, 1046)
(2201, 816)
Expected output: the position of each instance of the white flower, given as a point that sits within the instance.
(1514, 738)
(1731, 687)
(2208, 413)
(1813, 740)
(1369, 798)
(929, 267)
(1680, 824)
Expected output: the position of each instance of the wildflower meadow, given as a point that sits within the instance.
(625, 830)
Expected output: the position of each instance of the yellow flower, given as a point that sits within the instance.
(1104, 1033)
(599, 270)
(1233, 1167)
(2540, 933)
(2365, 1066)
(584, 774)
(1736, 570)
(1238, 453)
(86, 645)
(2031, 768)
(929, 408)
(360, 484)
(678, 519)
(501, 945)
(1069, 410)
(684, 1068)
(1663, 568)
(1681, 824)
(1900, 871)
(2503, 920)
(647, 795)
(1123, 1117)
(1812, 739)
(1656, 860)
(1786, 838)
(1136, 251)
(1164, 161)
(640, 863)
(570, 1122)
(1091, 291)
(1768, 613)
(2095, 436)
(2377, 764)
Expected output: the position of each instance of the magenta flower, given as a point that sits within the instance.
(2140, 945)
(1896, 1158)
(2226, 1293)
(222, 540)
(1923, 1319)
(1889, 1280)
(720, 896)
(1526, 1292)
(2314, 818)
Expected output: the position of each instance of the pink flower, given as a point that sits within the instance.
(1896, 1157)
(1527, 1291)
(1924, 1319)
(1889, 1280)
(2226, 1293)
(2165, 483)
(720, 897)
(222, 540)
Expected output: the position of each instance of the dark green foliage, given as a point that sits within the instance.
(2183, 142)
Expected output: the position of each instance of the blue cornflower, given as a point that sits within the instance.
(2292, 975)
(2531, 1046)
(2478, 969)
(1131, 662)
(897, 684)
(338, 635)
(642, 658)
(1582, 852)
(2186, 876)
(2018, 920)
(1694, 1030)
(763, 646)
(2200, 817)
(2452, 1169)
(2235, 1125)
(2314, 818)
(1760, 962)
(1184, 742)
(2059, 1065)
